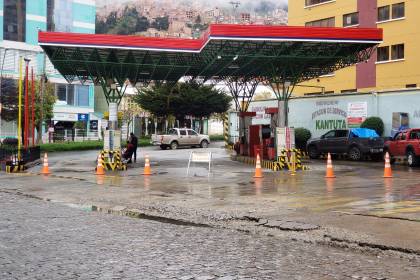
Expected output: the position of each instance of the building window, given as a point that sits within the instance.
(384, 13)
(61, 93)
(397, 52)
(315, 2)
(326, 22)
(383, 54)
(349, 90)
(398, 10)
(70, 95)
(351, 19)
(65, 94)
(411, 86)
(82, 96)
(60, 15)
(14, 28)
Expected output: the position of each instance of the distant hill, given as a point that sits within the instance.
(185, 18)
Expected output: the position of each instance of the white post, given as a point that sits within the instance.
(113, 115)
(156, 126)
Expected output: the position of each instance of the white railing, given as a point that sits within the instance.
(68, 135)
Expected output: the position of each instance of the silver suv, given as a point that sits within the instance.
(180, 137)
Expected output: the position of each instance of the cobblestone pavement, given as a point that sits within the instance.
(44, 240)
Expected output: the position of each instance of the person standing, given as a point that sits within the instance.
(134, 141)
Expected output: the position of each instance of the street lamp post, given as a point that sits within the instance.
(26, 125)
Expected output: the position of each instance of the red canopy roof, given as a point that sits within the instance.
(216, 32)
(225, 50)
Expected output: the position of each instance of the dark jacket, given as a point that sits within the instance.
(134, 140)
(129, 151)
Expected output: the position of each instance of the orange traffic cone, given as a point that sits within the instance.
(147, 169)
(45, 169)
(100, 168)
(330, 170)
(258, 170)
(387, 170)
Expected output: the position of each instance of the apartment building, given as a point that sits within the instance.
(20, 21)
(394, 66)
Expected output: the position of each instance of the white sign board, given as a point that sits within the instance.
(106, 140)
(112, 140)
(200, 158)
(65, 117)
(285, 139)
(357, 109)
(356, 113)
(117, 140)
(104, 124)
(113, 112)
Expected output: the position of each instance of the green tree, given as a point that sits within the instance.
(128, 23)
(100, 26)
(198, 19)
(142, 24)
(111, 19)
(161, 23)
(156, 99)
(374, 123)
(124, 26)
(44, 105)
(184, 99)
(9, 100)
(302, 135)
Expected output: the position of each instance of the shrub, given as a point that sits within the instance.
(83, 146)
(79, 125)
(374, 123)
(10, 141)
(215, 138)
(302, 135)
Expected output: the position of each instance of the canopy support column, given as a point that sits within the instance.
(242, 91)
(283, 90)
(111, 153)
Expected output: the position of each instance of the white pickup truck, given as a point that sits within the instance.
(180, 137)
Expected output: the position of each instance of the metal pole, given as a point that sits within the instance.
(1, 86)
(26, 131)
(20, 109)
(33, 107)
(41, 113)
(293, 171)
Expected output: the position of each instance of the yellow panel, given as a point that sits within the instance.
(391, 75)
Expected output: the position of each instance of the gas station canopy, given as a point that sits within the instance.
(225, 51)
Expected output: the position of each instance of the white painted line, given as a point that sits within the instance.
(36, 18)
(85, 2)
(84, 25)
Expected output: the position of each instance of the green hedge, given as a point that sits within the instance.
(215, 138)
(374, 123)
(82, 146)
(302, 135)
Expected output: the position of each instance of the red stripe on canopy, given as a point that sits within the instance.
(216, 30)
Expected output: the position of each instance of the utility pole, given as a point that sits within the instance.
(1, 87)
(235, 5)
(41, 115)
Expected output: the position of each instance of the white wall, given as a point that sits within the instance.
(303, 111)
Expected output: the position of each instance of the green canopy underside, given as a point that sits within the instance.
(292, 61)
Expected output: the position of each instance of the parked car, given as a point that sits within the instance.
(354, 142)
(180, 137)
(405, 143)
